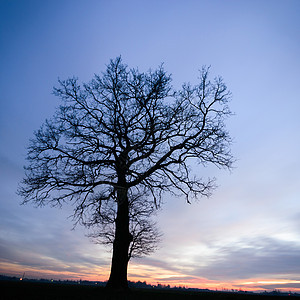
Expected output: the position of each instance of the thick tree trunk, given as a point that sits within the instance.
(118, 274)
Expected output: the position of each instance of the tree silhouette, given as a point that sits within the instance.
(117, 143)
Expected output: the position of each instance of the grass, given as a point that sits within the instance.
(14, 290)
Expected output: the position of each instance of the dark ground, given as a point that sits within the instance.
(14, 290)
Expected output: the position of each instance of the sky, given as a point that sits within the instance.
(247, 234)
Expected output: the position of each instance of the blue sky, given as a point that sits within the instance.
(248, 233)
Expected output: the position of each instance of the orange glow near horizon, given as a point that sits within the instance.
(96, 274)
(153, 275)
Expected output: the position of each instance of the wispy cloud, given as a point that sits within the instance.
(232, 264)
(257, 258)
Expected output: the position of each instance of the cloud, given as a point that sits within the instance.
(249, 258)
(281, 286)
(75, 258)
(284, 285)
(64, 251)
(253, 258)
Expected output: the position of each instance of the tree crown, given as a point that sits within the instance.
(127, 131)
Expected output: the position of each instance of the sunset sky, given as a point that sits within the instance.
(247, 234)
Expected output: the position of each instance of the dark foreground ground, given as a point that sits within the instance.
(14, 290)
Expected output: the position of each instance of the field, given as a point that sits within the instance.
(14, 290)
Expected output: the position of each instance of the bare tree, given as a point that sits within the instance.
(122, 135)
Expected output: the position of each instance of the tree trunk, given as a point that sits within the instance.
(118, 274)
